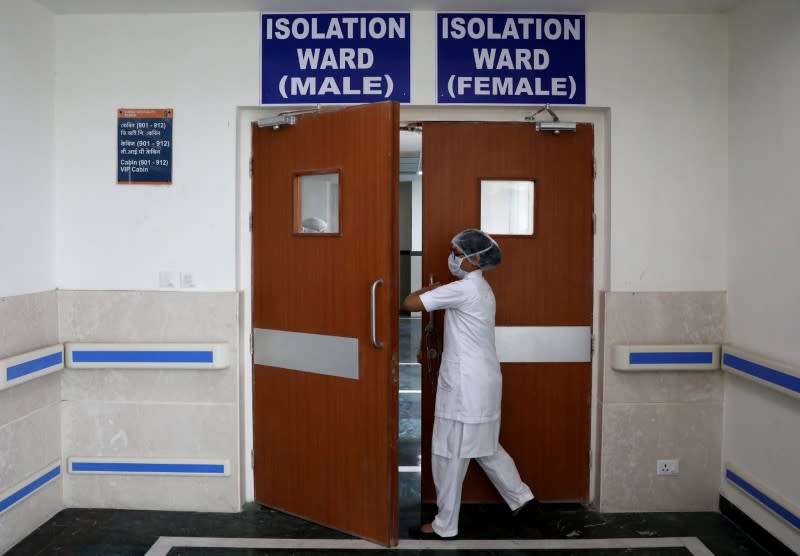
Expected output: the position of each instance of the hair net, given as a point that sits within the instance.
(475, 243)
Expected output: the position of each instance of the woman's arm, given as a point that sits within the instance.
(413, 303)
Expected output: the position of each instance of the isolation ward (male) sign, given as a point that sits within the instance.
(485, 58)
(335, 58)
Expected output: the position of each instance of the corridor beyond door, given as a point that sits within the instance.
(409, 449)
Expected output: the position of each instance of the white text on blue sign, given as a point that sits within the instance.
(335, 58)
(511, 59)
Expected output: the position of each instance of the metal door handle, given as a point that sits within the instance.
(373, 330)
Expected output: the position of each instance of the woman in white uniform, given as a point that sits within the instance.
(467, 415)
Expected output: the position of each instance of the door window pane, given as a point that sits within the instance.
(507, 207)
(317, 204)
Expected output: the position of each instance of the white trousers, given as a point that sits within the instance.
(448, 477)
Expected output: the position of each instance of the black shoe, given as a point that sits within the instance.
(418, 534)
(530, 506)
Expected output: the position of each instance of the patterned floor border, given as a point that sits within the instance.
(692, 544)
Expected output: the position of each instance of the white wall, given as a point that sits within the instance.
(764, 235)
(27, 237)
(30, 440)
(120, 237)
(761, 426)
(416, 232)
(416, 211)
(665, 79)
(668, 132)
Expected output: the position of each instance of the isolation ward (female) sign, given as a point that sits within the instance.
(511, 58)
(335, 58)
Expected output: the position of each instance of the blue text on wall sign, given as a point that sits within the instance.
(511, 58)
(335, 58)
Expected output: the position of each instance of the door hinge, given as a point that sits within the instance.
(251, 167)
(594, 168)
(252, 349)
(590, 459)
(592, 346)
(594, 223)
(252, 459)
(251, 221)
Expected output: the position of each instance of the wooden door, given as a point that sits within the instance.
(545, 280)
(325, 396)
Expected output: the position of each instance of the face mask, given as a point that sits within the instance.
(454, 264)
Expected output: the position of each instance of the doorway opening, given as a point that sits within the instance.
(412, 378)
(535, 192)
(410, 327)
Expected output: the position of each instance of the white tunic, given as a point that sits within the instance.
(470, 384)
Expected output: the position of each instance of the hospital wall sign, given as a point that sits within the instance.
(144, 146)
(485, 58)
(331, 58)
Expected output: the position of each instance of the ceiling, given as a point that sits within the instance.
(221, 6)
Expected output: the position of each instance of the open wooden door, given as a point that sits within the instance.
(543, 289)
(325, 272)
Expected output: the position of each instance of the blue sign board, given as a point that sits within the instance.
(144, 146)
(335, 58)
(511, 58)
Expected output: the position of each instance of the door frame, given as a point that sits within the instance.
(598, 117)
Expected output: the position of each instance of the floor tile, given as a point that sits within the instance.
(124, 532)
(410, 406)
(410, 376)
(410, 332)
(590, 552)
(409, 453)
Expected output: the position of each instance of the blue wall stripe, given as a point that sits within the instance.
(778, 378)
(121, 467)
(670, 358)
(111, 356)
(33, 365)
(29, 488)
(763, 498)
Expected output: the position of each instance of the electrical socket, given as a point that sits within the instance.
(667, 467)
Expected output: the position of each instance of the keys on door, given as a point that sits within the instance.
(431, 341)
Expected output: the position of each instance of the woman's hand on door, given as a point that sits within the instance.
(413, 303)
